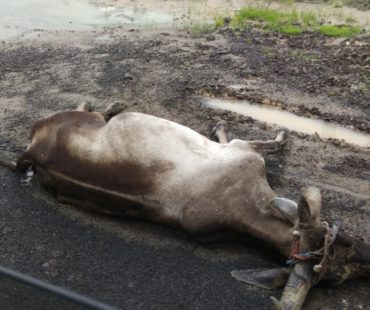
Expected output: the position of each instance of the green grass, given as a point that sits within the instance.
(291, 30)
(270, 19)
(244, 15)
(219, 22)
(309, 19)
(339, 31)
(288, 23)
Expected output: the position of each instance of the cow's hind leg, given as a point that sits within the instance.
(270, 146)
(221, 132)
(112, 110)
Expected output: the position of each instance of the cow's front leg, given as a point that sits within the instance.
(221, 131)
(85, 107)
(270, 146)
(112, 110)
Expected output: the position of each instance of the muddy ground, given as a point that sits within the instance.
(136, 265)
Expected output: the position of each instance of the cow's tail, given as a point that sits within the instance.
(5, 162)
(9, 164)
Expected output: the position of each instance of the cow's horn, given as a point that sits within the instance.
(299, 284)
(303, 275)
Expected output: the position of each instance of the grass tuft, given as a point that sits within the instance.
(291, 30)
(309, 19)
(256, 14)
(219, 22)
(339, 31)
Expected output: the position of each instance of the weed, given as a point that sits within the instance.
(309, 19)
(302, 55)
(291, 30)
(292, 18)
(219, 22)
(201, 28)
(269, 52)
(365, 78)
(339, 31)
(264, 4)
(362, 87)
(351, 20)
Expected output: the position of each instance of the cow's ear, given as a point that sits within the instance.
(284, 208)
(309, 206)
(270, 279)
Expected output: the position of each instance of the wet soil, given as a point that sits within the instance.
(136, 265)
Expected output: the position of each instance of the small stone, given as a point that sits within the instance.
(128, 76)
(317, 268)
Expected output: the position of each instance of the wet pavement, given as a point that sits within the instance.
(166, 271)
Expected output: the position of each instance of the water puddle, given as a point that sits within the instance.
(289, 121)
(21, 17)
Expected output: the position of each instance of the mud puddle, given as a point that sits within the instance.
(290, 121)
(25, 17)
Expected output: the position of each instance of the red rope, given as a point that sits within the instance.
(295, 253)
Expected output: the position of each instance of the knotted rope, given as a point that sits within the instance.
(297, 256)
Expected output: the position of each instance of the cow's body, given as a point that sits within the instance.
(141, 166)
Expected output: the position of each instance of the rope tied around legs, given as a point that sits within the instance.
(321, 254)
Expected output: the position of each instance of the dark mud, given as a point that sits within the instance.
(137, 265)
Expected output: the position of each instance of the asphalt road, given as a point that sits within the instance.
(128, 264)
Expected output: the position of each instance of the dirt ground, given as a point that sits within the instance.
(135, 265)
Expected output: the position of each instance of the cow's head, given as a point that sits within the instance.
(319, 252)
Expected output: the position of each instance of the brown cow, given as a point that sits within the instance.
(140, 166)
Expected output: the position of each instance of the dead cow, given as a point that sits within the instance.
(140, 166)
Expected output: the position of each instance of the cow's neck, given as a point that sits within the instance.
(274, 234)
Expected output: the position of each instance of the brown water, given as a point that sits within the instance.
(290, 121)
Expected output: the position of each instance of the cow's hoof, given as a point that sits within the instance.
(221, 126)
(282, 137)
(113, 109)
